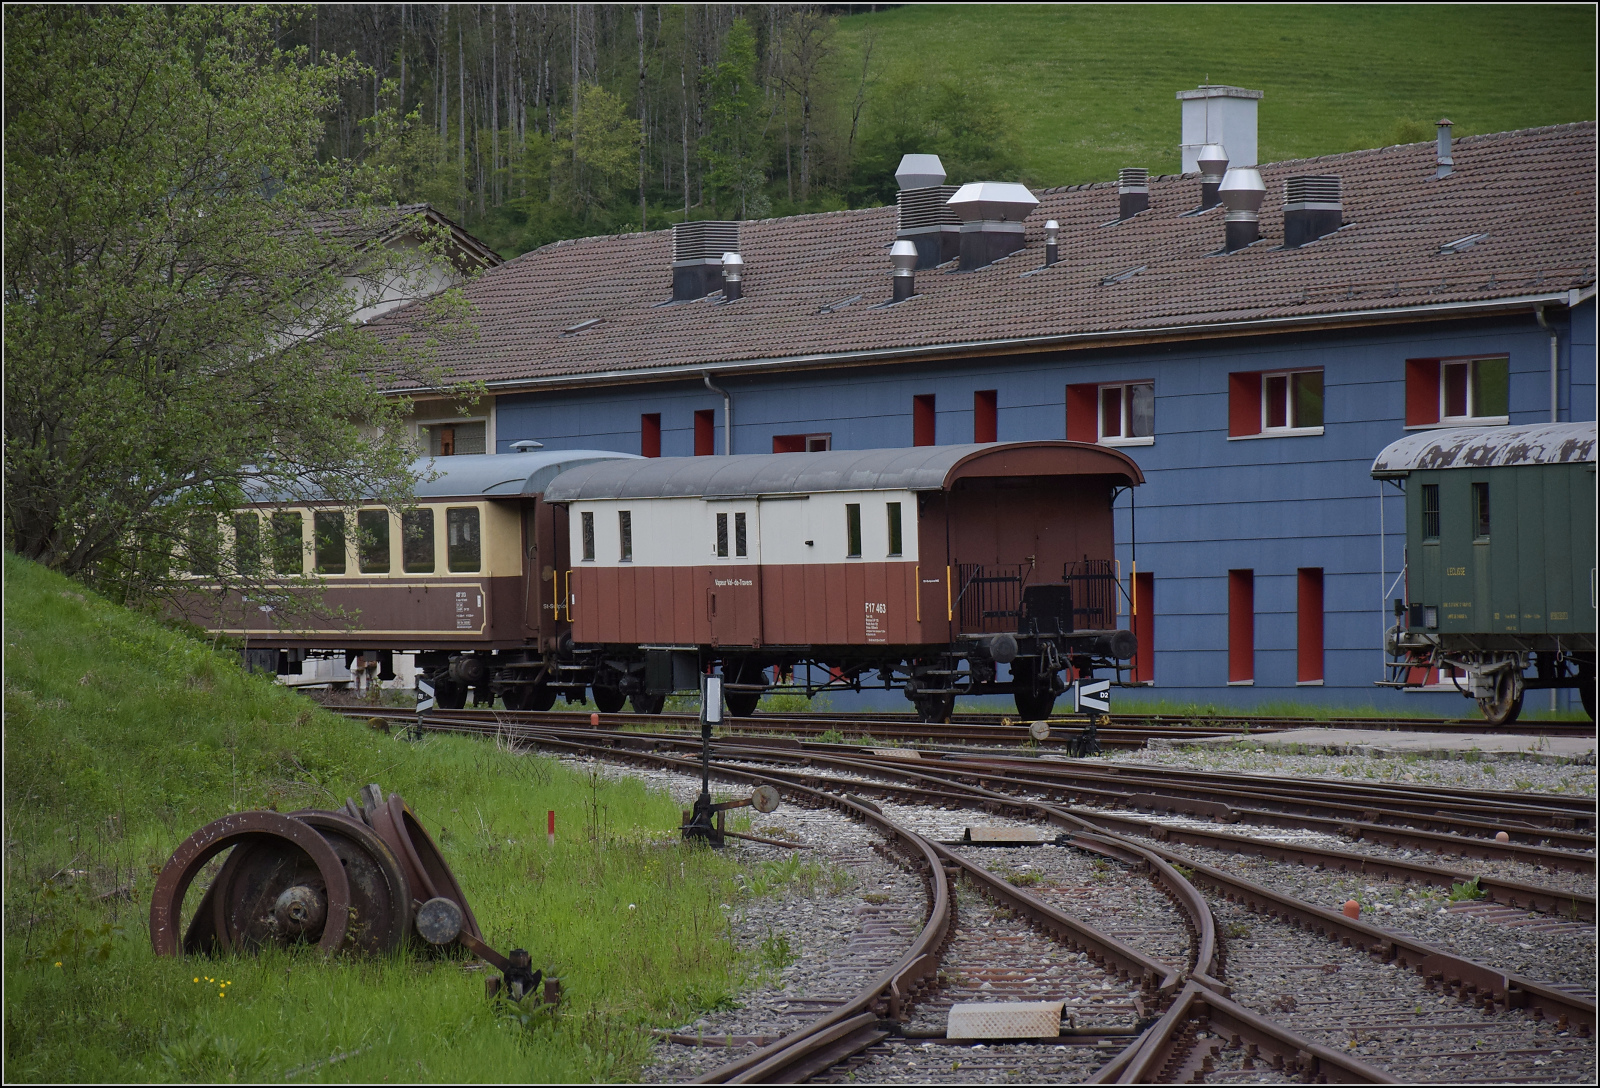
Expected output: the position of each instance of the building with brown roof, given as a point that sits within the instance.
(1421, 285)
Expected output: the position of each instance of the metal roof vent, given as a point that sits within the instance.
(903, 255)
(732, 277)
(1447, 158)
(697, 250)
(1133, 191)
(1052, 248)
(1219, 114)
(1241, 192)
(1312, 207)
(1213, 163)
(991, 220)
(924, 216)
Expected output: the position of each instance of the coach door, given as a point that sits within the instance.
(733, 589)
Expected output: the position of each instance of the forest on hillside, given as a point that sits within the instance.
(534, 122)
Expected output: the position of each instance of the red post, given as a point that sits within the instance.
(550, 828)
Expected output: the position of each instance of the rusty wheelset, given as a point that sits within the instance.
(367, 880)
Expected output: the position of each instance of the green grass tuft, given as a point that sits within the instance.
(122, 737)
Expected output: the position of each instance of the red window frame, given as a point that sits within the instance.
(985, 415)
(1309, 626)
(1241, 626)
(650, 434)
(924, 420)
(705, 432)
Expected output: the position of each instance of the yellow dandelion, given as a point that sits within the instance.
(58, 963)
(197, 980)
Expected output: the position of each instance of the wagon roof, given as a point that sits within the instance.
(501, 475)
(920, 468)
(1487, 447)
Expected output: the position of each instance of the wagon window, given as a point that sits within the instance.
(328, 528)
(852, 518)
(722, 536)
(247, 543)
(203, 544)
(894, 528)
(416, 541)
(625, 531)
(738, 535)
(1480, 511)
(464, 539)
(372, 527)
(588, 536)
(288, 547)
(1430, 511)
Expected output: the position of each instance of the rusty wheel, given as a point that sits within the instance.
(288, 884)
(426, 870)
(380, 895)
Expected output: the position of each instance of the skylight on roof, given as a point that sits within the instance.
(1460, 244)
(1122, 277)
(580, 326)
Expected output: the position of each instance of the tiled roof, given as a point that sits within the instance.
(1531, 193)
(364, 226)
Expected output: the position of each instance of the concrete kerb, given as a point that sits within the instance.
(1387, 744)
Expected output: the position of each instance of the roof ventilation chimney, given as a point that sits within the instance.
(1213, 163)
(1133, 191)
(732, 277)
(1312, 207)
(1052, 252)
(1241, 193)
(991, 220)
(924, 215)
(1215, 114)
(903, 255)
(1447, 160)
(697, 250)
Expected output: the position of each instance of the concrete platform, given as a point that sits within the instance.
(1393, 743)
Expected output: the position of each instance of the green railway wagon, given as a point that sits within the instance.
(1500, 569)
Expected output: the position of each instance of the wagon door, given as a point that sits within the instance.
(733, 589)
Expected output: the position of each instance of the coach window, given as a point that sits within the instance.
(1430, 512)
(1480, 511)
(463, 539)
(328, 529)
(625, 533)
(204, 544)
(722, 536)
(288, 544)
(416, 541)
(372, 541)
(852, 520)
(894, 528)
(740, 540)
(587, 521)
(247, 543)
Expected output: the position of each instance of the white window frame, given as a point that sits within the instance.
(455, 421)
(1290, 431)
(1470, 420)
(1127, 407)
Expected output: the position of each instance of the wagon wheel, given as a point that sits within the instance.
(1586, 693)
(540, 696)
(742, 704)
(607, 700)
(1506, 703)
(380, 896)
(1035, 705)
(449, 694)
(309, 892)
(427, 873)
(934, 708)
(644, 703)
(1033, 693)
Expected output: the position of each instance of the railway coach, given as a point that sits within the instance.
(923, 569)
(1500, 576)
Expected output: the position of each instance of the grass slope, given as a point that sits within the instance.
(122, 737)
(1091, 86)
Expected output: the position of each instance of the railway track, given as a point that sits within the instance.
(1124, 731)
(1201, 1029)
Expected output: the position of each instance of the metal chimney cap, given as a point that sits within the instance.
(919, 171)
(1051, 225)
(903, 255)
(1212, 159)
(993, 200)
(1242, 189)
(733, 261)
(1444, 122)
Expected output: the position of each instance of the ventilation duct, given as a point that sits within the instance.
(903, 256)
(1217, 114)
(1241, 193)
(1447, 158)
(1312, 207)
(1133, 191)
(732, 277)
(991, 220)
(1213, 163)
(924, 216)
(697, 250)
(1052, 249)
